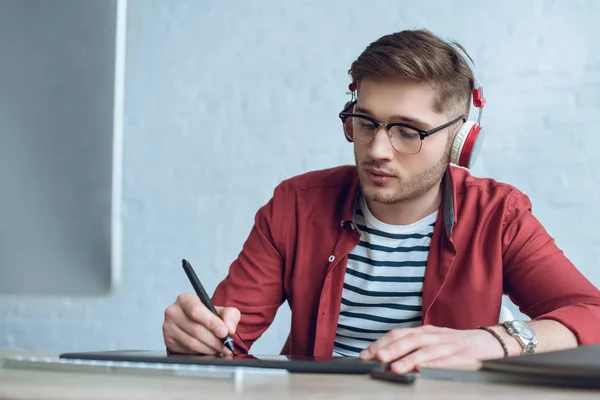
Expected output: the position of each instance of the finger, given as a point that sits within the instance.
(197, 312)
(405, 345)
(422, 356)
(231, 316)
(176, 320)
(392, 336)
(199, 332)
(389, 337)
(181, 342)
(175, 347)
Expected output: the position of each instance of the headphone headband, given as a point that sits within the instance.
(477, 92)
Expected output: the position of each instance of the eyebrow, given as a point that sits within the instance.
(402, 118)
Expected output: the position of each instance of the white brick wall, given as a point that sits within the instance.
(226, 99)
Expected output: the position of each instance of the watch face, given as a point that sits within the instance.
(523, 330)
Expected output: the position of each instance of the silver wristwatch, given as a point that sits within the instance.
(524, 334)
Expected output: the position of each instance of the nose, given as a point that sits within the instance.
(381, 147)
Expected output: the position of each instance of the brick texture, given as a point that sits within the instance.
(226, 99)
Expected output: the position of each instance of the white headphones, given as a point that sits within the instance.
(469, 138)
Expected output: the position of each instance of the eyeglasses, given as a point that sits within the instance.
(404, 138)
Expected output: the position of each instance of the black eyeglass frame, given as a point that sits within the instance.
(344, 114)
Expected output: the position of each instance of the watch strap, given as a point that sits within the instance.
(528, 346)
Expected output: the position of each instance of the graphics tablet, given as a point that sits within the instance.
(307, 364)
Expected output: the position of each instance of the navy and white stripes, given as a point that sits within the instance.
(383, 282)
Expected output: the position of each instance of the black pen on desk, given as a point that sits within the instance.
(205, 299)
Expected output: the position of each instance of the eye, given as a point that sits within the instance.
(405, 133)
(408, 134)
(366, 125)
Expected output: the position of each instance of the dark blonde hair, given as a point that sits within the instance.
(419, 56)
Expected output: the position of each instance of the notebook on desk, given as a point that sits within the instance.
(579, 367)
(307, 364)
(580, 362)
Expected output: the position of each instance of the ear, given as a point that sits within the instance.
(347, 124)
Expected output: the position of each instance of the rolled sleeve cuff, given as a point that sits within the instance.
(582, 319)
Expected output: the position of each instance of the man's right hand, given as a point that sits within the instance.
(190, 327)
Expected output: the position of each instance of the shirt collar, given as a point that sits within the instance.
(448, 202)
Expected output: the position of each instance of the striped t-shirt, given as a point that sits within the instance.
(383, 284)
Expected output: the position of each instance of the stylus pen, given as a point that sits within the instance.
(205, 299)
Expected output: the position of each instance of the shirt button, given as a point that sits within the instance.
(331, 258)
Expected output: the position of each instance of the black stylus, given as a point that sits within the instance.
(205, 299)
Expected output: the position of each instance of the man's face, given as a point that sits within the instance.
(386, 175)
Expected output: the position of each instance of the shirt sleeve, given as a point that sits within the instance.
(541, 280)
(254, 283)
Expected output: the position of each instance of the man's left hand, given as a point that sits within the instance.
(431, 346)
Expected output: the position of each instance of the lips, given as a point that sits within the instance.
(378, 176)
(379, 172)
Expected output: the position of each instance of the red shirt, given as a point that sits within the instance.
(486, 243)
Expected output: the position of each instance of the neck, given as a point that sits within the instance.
(409, 211)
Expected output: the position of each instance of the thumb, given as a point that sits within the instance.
(231, 316)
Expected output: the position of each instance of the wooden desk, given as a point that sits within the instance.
(30, 384)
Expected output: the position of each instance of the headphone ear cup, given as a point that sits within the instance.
(347, 126)
(476, 146)
(466, 145)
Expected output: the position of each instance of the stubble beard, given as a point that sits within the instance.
(408, 189)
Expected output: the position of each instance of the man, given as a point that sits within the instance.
(404, 257)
